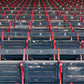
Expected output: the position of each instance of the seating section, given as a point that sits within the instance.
(41, 41)
(38, 72)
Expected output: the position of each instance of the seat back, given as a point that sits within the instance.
(40, 44)
(13, 44)
(41, 72)
(67, 44)
(73, 72)
(10, 73)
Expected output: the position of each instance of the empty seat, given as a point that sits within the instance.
(10, 72)
(13, 44)
(41, 72)
(40, 44)
(73, 71)
(67, 44)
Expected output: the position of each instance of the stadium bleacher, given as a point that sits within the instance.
(41, 41)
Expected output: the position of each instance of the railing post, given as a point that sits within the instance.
(0, 48)
(2, 37)
(77, 36)
(81, 47)
(22, 73)
(58, 55)
(54, 48)
(23, 54)
(60, 73)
